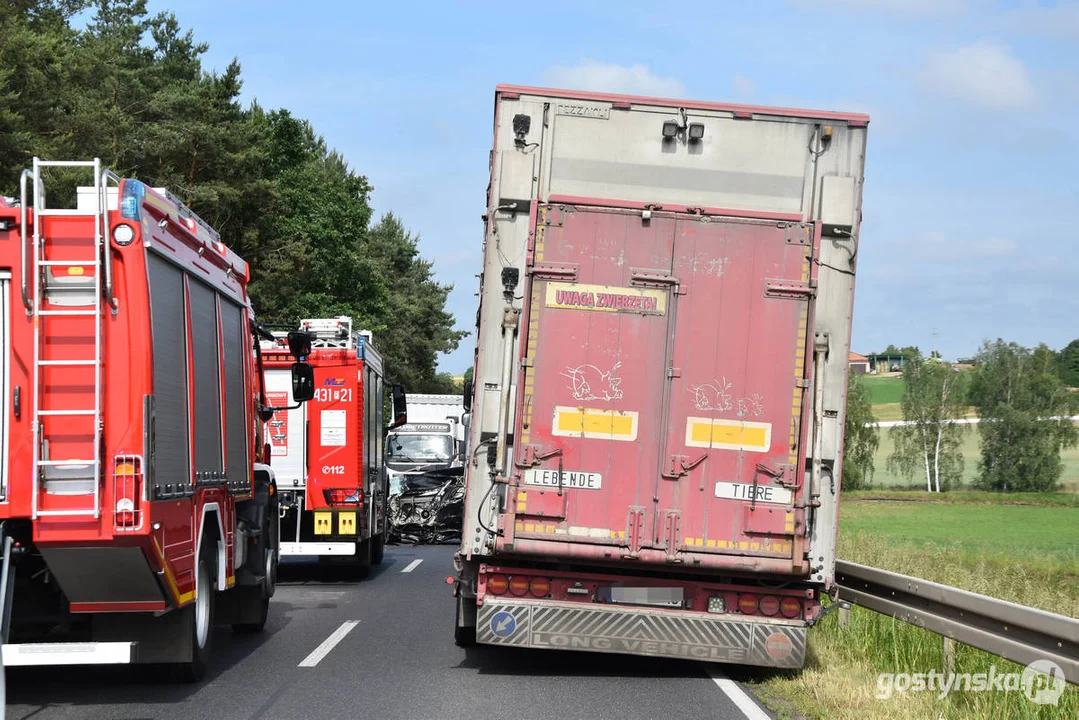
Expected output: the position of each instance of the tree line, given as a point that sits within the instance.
(1021, 396)
(130, 88)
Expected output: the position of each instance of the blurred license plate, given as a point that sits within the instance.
(656, 596)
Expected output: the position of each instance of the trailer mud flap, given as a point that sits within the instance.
(640, 631)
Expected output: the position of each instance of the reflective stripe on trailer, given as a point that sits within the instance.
(102, 653)
(317, 548)
(641, 631)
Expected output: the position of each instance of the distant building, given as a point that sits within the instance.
(859, 363)
(886, 363)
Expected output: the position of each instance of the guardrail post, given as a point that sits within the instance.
(948, 656)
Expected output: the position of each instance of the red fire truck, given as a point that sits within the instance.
(137, 505)
(328, 453)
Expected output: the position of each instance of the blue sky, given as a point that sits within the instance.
(973, 160)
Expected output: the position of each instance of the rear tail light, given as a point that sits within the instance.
(498, 584)
(747, 604)
(769, 605)
(540, 587)
(519, 586)
(127, 490)
(790, 607)
(716, 604)
(343, 496)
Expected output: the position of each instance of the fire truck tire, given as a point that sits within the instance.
(361, 565)
(378, 549)
(201, 625)
(257, 602)
(464, 635)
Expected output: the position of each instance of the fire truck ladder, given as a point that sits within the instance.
(64, 289)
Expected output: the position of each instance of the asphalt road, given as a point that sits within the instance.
(394, 658)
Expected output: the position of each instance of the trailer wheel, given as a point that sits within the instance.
(360, 566)
(201, 624)
(464, 635)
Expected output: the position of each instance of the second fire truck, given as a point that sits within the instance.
(328, 454)
(137, 504)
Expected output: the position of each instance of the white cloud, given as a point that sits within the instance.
(909, 8)
(607, 77)
(1060, 20)
(984, 75)
(744, 87)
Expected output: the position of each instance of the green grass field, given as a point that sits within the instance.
(883, 477)
(883, 390)
(1023, 548)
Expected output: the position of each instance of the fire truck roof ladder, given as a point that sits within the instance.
(74, 299)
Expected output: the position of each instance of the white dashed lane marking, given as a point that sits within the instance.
(412, 565)
(329, 644)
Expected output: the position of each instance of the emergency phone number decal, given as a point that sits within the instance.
(605, 298)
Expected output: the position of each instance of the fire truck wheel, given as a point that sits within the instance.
(378, 549)
(463, 635)
(202, 625)
(361, 564)
(258, 601)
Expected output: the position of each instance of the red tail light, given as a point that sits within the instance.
(540, 587)
(498, 584)
(747, 604)
(769, 605)
(343, 496)
(127, 491)
(519, 586)
(791, 607)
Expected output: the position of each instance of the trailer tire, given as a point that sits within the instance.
(201, 624)
(378, 549)
(464, 635)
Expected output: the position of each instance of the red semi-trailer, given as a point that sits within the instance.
(660, 379)
(137, 504)
(328, 453)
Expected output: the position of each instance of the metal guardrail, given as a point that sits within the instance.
(1013, 632)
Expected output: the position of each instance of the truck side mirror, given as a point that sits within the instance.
(303, 381)
(299, 344)
(468, 396)
(400, 411)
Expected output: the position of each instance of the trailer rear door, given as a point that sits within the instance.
(594, 376)
(663, 382)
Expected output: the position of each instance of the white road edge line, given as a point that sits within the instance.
(738, 696)
(412, 565)
(328, 644)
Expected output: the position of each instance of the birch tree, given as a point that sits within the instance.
(928, 441)
(861, 437)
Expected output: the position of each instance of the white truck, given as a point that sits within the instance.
(432, 438)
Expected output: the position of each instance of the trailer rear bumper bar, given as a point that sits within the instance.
(89, 653)
(317, 548)
(640, 631)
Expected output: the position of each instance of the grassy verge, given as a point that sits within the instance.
(981, 546)
(885, 477)
(959, 497)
